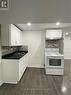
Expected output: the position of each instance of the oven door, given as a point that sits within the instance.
(54, 62)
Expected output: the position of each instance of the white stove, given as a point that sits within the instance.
(54, 62)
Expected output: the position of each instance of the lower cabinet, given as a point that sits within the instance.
(14, 69)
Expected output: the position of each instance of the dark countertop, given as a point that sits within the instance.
(15, 55)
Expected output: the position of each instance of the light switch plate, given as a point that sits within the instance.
(4, 4)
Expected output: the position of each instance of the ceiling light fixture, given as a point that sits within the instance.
(29, 24)
(57, 23)
(66, 33)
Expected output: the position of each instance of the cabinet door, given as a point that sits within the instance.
(12, 35)
(10, 71)
(20, 37)
(16, 37)
(54, 34)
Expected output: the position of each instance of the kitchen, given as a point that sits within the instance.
(33, 40)
(27, 65)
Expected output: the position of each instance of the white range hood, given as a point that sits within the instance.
(53, 34)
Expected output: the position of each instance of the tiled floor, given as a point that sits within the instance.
(35, 82)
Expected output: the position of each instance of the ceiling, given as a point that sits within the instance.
(42, 26)
(37, 11)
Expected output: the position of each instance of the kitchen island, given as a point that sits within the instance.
(14, 66)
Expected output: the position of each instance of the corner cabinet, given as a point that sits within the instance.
(11, 35)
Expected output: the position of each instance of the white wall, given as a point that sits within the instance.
(67, 48)
(36, 43)
(0, 61)
(67, 43)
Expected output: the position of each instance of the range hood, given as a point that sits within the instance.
(53, 34)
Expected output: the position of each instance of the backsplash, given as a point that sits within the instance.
(55, 44)
(52, 44)
(7, 50)
(11, 49)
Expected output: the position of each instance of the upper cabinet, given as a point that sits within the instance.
(11, 35)
(53, 34)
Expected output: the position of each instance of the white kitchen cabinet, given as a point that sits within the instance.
(11, 35)
(13, 69)
(54, 34)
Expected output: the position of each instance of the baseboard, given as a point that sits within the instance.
(67, 58)
(10, 82)
(35, 66)
(66, 61)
